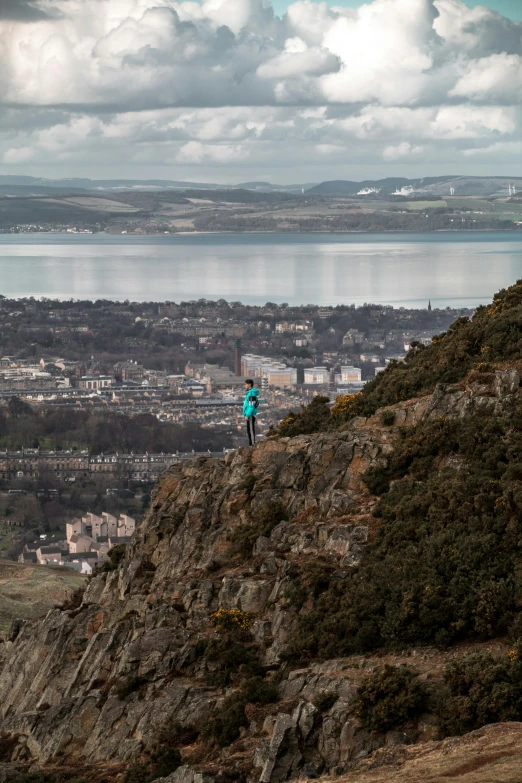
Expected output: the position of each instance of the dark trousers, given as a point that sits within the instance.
(251, 430)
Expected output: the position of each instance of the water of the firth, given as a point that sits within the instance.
(455, 269)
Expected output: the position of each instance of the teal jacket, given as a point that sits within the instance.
(251, 402)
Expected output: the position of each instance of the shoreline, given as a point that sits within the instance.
(260, 231)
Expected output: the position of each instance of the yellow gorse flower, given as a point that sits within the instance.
(232, 618)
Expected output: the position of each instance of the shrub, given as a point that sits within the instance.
(232, 619)
(8, 742)
(257, 690)
(138, 773)
(248, 482)
(114, 558)
(243, 537)
(480, 689)
(388, 418)
(346, 406)
(163, 756)
(231, 657)
(225, 724)
(308, 582)
(389, 698)
(314, 417)
(325, 701)
(129, 685)
(74, 601)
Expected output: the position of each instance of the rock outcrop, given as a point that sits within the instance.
(96, 683)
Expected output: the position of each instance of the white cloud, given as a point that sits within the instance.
(402, 150)
(497, 77)
(196, 152)
(227, 82)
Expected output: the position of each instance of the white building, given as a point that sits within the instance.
(111, 522)
(316, 375)
(280, 377)
(126, 526)
(93, 383)
(79, 544)
(276, 373)
(350, 374)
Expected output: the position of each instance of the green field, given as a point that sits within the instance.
(427, 204)
(27, 592)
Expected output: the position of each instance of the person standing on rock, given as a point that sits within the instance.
(250, 406)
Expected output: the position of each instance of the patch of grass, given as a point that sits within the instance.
(389, 698)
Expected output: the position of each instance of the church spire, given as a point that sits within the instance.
(429, 305)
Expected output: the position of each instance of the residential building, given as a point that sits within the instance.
(96, 382)
(128, 371)
(350, 374)
(316, 375)
(79, 543)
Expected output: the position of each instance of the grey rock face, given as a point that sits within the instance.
(61, 678)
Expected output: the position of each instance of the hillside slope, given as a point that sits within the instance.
(263, 592)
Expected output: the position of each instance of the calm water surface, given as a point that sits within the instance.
(398, 269)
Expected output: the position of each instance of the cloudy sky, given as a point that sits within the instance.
(234, 90)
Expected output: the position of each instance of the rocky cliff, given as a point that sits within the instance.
(206, 592)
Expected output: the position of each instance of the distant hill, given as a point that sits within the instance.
(400, 186)
(26, 186)
(12, 185)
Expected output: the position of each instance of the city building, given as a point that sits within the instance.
(316, 375)
(350, 374)
(278, 374)
(95, 382)
(128, 371)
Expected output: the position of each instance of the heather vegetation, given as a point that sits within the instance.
(480, 689)
(388, 698)
(444, 564)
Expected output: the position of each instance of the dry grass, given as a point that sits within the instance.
(28, 591)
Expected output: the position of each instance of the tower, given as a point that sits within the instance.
(429, 306)
(237, 357)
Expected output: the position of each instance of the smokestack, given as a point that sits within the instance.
(237, 357)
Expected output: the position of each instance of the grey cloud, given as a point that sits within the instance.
(27, 11)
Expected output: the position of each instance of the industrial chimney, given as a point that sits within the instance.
(237, 357)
